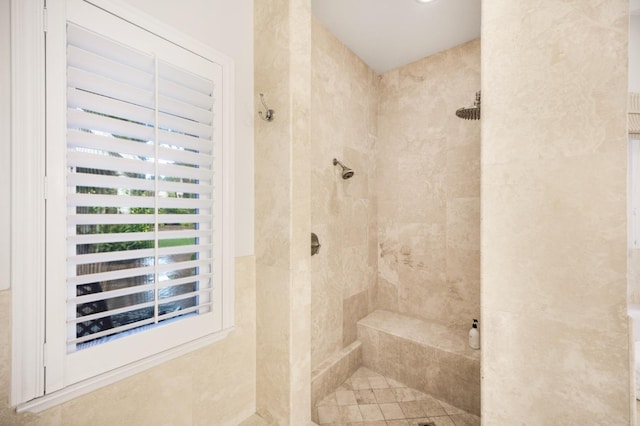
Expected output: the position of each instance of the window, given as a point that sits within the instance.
(139, 212)
(138, 256)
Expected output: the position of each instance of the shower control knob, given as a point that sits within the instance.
(315, 244)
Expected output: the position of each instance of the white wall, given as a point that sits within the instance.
(5, 132)
(634, 52)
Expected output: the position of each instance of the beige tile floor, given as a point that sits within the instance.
(368, 398)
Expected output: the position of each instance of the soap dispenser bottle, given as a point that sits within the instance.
(474, 335)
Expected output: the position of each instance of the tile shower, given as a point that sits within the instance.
(401, 238)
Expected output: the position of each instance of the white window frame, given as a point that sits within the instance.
(29, 192)
(633, 193)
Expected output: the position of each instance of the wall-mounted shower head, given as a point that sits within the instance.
(346, 172)
(471, 112)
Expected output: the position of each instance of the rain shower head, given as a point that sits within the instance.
(471, 112)
(346, 172)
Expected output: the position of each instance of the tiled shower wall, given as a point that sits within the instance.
(343, 212)
(428, 187)
(403, 233)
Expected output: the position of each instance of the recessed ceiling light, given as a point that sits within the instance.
(424, 1)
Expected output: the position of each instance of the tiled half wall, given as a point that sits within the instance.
(332, 372)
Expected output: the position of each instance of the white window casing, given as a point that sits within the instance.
(633, 196)
(27, 199)
(5, 137)
(139, 261)
(633, 175)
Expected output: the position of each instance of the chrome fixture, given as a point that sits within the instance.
(315, 244)
(346, 172)
(471, 112)
(268, 115)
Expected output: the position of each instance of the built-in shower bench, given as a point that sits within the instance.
(426, 356)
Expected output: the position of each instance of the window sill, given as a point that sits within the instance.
(47, 401)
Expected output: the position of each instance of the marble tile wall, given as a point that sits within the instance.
(300, 305)
(272, 218)
(428, 189)
(343, 212)
(554, 146)
(282, 58)
(214, 385)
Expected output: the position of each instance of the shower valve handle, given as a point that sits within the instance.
(315, 244)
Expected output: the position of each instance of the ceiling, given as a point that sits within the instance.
(387, 34)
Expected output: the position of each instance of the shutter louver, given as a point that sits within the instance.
(140, 180)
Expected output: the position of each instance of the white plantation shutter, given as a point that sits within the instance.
(140, 189)
(143, 263)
